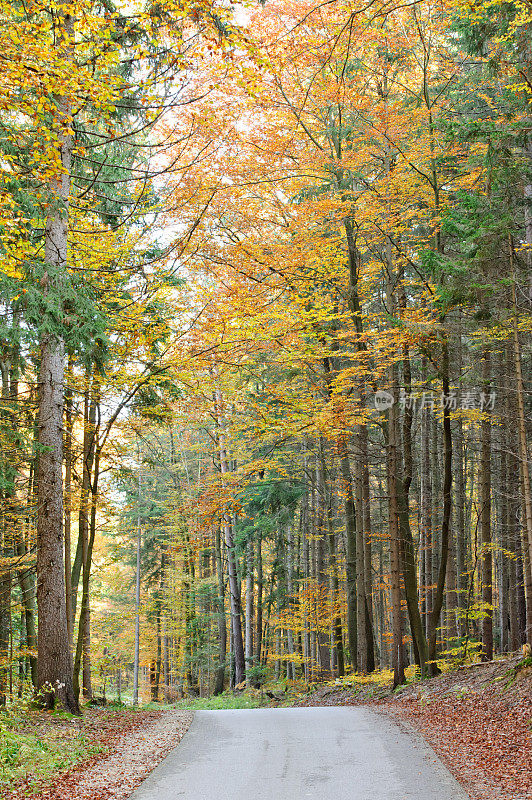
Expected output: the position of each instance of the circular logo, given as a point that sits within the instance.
(383, 400)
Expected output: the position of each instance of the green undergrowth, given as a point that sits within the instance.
(35, 746)
(220, 702)
(286, 693)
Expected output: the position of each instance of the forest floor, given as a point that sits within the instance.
(104, 754)
(478, 719)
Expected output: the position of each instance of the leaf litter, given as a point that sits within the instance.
(133, 742)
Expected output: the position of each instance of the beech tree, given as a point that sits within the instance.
(311, 307)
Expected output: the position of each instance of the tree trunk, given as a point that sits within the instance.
(88, 533)
(485, 520)
(398, 660)
(136, 658)
(334, 589)
(54, 654)
(391, 430)
(68, 504)
(460, 536)
(523, 448)
(260, 588)
(362, 626)
(434, 617)
(222, 625)
(403, 483)
(425, 521)
(5, 621)
(290, 667)
(235, 603)
(351, 543)
(249, 605)
(27, 590)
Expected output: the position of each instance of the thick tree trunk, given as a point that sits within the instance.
(260, 589)
(398, 660)
(362, 641)
(166, 665)
(83, 641)
(7, 493)
(323, 639)
(80, 560)
(408, 555)
(87, 532)
(460, 536)
(68, 508)
(368, 577)
(164, 624)
(506, 573)
(485, 520)
(434, 617)
(249, 605)
(425, 521)
(155, 667)
(334, 589)
(391, 431)
(5, 623)
(234, 602)
(222, 624)
(306, 576)
(88, 463)
(510, 444)
(136, 657)
(351, 544)
(355, 539)
(291, 667)
(54, 655)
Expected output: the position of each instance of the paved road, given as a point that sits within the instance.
(299, 753)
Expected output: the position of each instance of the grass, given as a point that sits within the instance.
(221, 702)
(35, 746)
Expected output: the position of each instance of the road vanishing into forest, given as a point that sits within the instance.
(296, 753)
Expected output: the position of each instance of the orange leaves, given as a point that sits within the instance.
(340, 132)
(482, 735)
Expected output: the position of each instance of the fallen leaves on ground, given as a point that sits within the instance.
(478, 719)
(134, 742)
(484, 736)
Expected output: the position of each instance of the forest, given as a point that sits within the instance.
(265, 343)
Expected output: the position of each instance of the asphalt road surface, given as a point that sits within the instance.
(298, 753)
